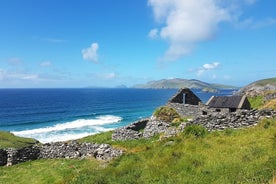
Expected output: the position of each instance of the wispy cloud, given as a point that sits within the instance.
(153, 33)
(7, 75)
(103, 76)
(46, 64)
(54, 40)
(14, 61)
(207, 67)
(263, 23)
(90, 53)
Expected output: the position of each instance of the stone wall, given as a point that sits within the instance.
(240, 119)
(186, 110)
(3, 157)
(213, 121)
(130, 132)
(68, 150)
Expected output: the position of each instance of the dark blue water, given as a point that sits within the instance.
(63, 114)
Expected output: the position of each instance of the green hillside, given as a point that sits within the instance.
(259, 87)
(8, 140)
(263, 82)
(183, 83)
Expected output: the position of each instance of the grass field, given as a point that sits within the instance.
(229, 156)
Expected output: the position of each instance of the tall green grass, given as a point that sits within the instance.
(8, 140)
(256, 102)
(230, 156)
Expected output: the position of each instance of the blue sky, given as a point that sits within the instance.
(79, 43)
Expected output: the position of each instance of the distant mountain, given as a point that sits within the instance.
(258, 87)
(183, 83)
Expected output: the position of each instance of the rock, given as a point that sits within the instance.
(155, 127)
(130, 132)
(3, 157)
(68, 150)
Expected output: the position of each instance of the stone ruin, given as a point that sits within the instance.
(185, 96)
(187, 104)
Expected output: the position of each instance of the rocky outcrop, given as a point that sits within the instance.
(258, 87)
(69, 150)
(270, 96)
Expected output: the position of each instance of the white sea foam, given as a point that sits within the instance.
(70, 130)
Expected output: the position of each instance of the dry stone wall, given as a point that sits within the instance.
(212, 122)
(68, 150)
(244, 118)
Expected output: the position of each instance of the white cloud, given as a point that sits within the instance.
(111, 75)
(186, 23)
(206, 67)
(46, 64)
(90, 53)
(7, 75)
(104, 76)
(209, 66)
(153, 33)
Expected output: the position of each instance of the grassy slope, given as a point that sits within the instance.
(257, 102)
(183, 159)
(8, 140)
(271, 81)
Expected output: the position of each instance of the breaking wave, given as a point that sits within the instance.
(70, 130)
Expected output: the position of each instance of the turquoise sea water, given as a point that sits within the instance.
(50, 115)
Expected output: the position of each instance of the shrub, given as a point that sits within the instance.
(166, 114)
(196, 130)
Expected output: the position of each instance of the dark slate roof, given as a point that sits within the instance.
(226, 101)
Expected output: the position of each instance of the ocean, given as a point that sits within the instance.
(51, 115)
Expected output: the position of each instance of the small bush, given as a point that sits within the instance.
(267, 124)
(166, 114)
(196, 130)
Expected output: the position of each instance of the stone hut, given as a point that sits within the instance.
(228, 103)
(185, 96)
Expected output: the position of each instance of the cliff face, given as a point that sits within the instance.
(259, 87)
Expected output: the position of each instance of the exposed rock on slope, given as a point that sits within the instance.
(259, 87)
